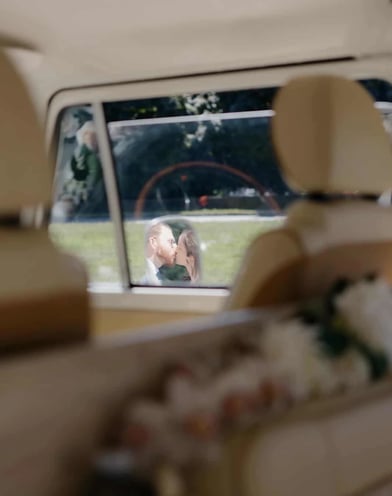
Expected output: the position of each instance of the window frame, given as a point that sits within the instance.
(200, 299)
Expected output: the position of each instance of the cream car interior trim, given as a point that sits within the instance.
(159, 299)
(112, 192)
(375, 66)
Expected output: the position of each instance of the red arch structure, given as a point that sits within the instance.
(211, 165)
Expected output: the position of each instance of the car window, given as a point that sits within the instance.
(80, 220)
(197, 180)
(206, 158)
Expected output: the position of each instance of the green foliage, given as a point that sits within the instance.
(93, 243)
(142, 151)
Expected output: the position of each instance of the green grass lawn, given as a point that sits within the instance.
(222, 244)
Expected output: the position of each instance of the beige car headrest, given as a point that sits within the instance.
(330, 138)
(24, 171)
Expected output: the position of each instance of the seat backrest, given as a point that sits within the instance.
(43, 296)
(330, 140)
(336, 448)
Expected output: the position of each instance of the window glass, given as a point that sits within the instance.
(381, 91)
(197, 178)
(80, 219)
(206, 158)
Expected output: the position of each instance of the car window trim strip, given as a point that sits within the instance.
(112, 192)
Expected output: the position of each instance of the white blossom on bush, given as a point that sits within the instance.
(207, 395)
(367, 309)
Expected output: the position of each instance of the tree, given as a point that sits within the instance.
(142, 151)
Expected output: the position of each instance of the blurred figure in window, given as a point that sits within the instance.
(82, 190)
(188, 254)
(85, 163)
(160, 251)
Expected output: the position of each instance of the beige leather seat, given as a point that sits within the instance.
(329, 140)
(333, 448)
(43, 296)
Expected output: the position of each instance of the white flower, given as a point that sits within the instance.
(194, 409)
(186, 397)
(367, 309)
(146, 422)
(244, 378)
(165, 436)
(352, 370)
(293, 353)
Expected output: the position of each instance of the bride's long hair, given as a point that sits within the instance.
(192, 250)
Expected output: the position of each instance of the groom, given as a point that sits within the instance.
(160, 250)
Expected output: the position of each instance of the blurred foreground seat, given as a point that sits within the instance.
(43, 297)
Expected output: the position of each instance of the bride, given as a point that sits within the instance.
(188, 254)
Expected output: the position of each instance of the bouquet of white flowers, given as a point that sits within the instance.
(326, 346)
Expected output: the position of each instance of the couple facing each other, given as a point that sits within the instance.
(164, 253)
